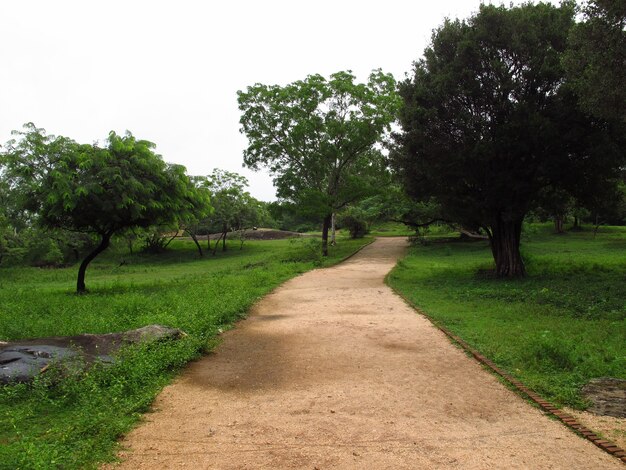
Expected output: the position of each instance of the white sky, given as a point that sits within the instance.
(169, 71)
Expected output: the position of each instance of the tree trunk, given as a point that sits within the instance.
(104, 244)
(224, 232)
(504, 238)
(597, 226)
(217, 242)
(333, 231)
(170, 240)
(195, 240)
(325, 227)
(558, 224)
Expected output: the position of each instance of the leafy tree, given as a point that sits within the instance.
(264, 215)
(97, 190)
(392, 204)
(554, 203)
(234, 208)
(318, 138)
(596, 59)
(191, 221)
(487, 123)
(288, 217)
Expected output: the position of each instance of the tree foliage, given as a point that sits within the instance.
(234, 208)
(488, 122)
(354, 219)
(97, 190)
(596, 59)
(318, 138)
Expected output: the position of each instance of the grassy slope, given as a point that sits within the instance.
(562, 325)
(76, 423)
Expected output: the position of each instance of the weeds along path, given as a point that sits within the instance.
(333, 370)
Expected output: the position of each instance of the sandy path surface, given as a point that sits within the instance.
(333, 370)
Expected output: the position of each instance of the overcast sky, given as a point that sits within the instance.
(169, 71)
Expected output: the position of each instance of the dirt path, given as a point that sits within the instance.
(333, 370)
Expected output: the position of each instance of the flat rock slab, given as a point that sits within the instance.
(334, 370)
(21, 361)
(607, 396)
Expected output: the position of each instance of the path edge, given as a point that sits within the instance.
(518, 387)
(346, 258)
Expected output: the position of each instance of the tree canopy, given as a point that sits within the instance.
(318, 137)
(234, 207)
(488, 121)
(97, 190)
(596, 59)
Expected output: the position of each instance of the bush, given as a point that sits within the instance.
(356, 225)
(154, 242)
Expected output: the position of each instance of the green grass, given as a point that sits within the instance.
(390, 229)
(76, 422)
(554, 330)
(396, 229)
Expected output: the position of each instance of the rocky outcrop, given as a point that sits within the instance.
(21, 361)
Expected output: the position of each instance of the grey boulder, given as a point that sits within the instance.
(21, 361)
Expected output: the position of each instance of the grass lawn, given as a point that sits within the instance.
(390, 229)
(77, 422)
(554, 330)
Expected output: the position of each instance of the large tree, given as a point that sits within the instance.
(318, 138)
(488, 122)
(97, 190)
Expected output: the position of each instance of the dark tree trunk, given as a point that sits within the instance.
(170, 240)
(104, 244)
(504, 238)
(325, 228)
(195, 240)
(597, 226)
(217, 242)
(224, 232)
(558, 224)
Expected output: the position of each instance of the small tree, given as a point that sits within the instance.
(318, 138)
(234, 208)
(98, 190)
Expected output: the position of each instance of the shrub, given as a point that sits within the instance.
(356, 225)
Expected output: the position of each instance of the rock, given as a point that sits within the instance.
(21, 361)
(607, 395)
(152, 333)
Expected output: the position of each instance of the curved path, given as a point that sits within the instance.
(333, 370)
